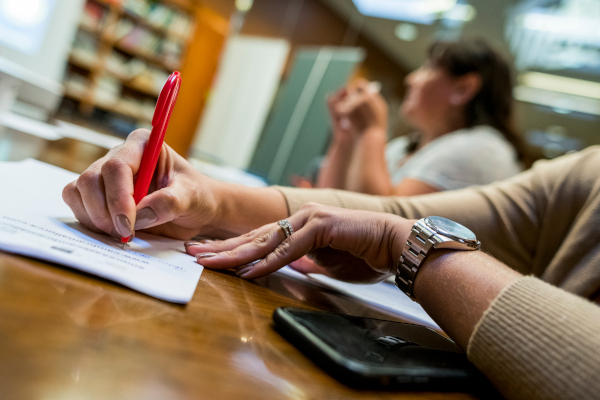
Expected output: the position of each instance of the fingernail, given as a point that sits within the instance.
(145, 217)
(198, 243)
(244, 270)
(205, 255)
(241, 271)
(123, 226)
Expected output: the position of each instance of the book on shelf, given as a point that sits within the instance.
(123, 54)
(93, 16)
(160, 16)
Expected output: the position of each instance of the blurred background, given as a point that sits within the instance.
(76, 76)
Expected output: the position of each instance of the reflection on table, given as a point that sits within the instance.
(68, 335)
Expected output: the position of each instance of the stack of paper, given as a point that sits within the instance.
(34, 221)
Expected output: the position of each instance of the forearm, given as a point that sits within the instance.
(457, 287)
(334, 170)
(522, 333)
(503, 216)
(368, 171)
(240, 209)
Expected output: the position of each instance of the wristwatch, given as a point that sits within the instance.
(426, 235)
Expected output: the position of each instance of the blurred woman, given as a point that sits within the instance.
(460, 102)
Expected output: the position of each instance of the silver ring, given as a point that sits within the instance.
(287, 227)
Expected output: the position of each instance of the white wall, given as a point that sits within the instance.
(247, 80)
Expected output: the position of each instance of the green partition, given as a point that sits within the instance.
(298, 127)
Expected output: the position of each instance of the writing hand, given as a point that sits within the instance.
(178, 204)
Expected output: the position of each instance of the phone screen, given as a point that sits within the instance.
(382, 343)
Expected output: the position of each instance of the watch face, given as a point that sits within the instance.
(450, 228)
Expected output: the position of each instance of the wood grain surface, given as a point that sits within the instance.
(67, 335)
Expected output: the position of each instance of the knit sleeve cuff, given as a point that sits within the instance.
(537, 341)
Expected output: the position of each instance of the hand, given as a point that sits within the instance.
(363, 108)
(179, 203)
(341, 125)
(354, 246)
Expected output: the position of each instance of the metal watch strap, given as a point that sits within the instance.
(420, 241)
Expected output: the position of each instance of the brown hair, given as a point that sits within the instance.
(493, 105)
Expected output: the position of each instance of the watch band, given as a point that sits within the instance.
(419, 243)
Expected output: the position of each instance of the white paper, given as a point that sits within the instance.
(383, 295)
(32, 185)
(34, 221)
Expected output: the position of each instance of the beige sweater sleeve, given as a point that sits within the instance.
(504, 216)
(537, 341)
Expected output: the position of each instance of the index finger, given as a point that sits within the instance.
(268, 252)
(210, 246)
(245, 253)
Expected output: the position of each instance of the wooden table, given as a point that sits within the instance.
(67, 335)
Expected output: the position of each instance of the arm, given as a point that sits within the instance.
(337, 160)
(241, 209)
(456, 288)
(413, 187)
(336, 163)
(366, 111)
(368, 171)
(521, 221)
(474, 157)
(532, 340)
(505, 215)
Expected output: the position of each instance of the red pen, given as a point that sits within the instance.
(160, 122)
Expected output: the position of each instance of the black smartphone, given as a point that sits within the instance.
(377, 354)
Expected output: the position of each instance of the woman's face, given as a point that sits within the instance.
(427, 98)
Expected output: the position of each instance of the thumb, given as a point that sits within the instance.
(160, 207)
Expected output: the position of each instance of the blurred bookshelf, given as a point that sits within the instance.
(122, 54)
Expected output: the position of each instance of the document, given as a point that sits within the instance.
(35, 222)
(34, 186)
(382, 295)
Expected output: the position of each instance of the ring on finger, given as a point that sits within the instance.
(287, 227)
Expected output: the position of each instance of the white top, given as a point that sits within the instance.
(466, 157)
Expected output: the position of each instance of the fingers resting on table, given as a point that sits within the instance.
(258, 253)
